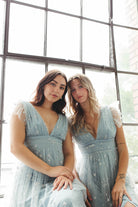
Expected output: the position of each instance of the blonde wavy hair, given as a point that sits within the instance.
(77, 114)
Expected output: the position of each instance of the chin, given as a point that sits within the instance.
(82, 102)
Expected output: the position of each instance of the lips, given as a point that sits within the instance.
(79, 97)
(54, 95)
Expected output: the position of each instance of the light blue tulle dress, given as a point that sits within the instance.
(32, 188)
(99, 160)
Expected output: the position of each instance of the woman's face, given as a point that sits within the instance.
(79, 93)
(54, 90)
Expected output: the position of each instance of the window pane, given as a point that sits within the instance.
(69, 6)
(96, 9)
(95, 43)
(2, 21)
(8, 166)
(126, 42)
(68, 70)
(8, 159)
(63, 36)
(21, 79)
(34, 2)
(131, 134)
(126, 12)
(129, 97)
(0, 76)
(0, 68)
(104, 85)
(26, 34)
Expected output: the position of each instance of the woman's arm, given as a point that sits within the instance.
(17, 135)
(68, 151)
(123, 154)
(119, 187)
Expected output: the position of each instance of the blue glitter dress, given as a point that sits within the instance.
(98, 166)
(32, 188)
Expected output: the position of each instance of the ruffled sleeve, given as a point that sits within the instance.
(116, 116)
(20, 112)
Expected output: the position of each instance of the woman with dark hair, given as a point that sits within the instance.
(41, 140)
(98, 132)
(39, 98)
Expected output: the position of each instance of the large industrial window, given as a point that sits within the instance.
(98, 38)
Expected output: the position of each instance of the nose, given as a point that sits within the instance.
(77, 91)
(57, 89)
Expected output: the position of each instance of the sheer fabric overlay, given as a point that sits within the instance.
(116, 116)
(32, 188)
(20, 112)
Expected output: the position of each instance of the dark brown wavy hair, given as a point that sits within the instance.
(39, 97)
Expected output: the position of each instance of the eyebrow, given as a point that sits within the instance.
(60, 84)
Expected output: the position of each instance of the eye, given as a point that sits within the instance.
(62, 88)
(52, 84)
(72, 90)
(80, 86)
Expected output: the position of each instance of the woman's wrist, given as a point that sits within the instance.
(47, 169)
(121, 177)
(69, 167)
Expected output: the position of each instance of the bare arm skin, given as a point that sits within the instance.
(17, 134)
(68, 151)
(119, 187)
(123, 154)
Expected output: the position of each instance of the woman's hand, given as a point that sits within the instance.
(62, 181)
(118, 191)
(60, 171)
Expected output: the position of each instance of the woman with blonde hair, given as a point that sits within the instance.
(99, 135)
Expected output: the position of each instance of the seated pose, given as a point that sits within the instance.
(99, 135)
(41, 140)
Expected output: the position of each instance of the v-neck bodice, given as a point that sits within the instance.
(106, 130)
(43, 122)
(97, 130)
(35, 124)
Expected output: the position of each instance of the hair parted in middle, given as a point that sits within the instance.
(77, 114)
(39, 97)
